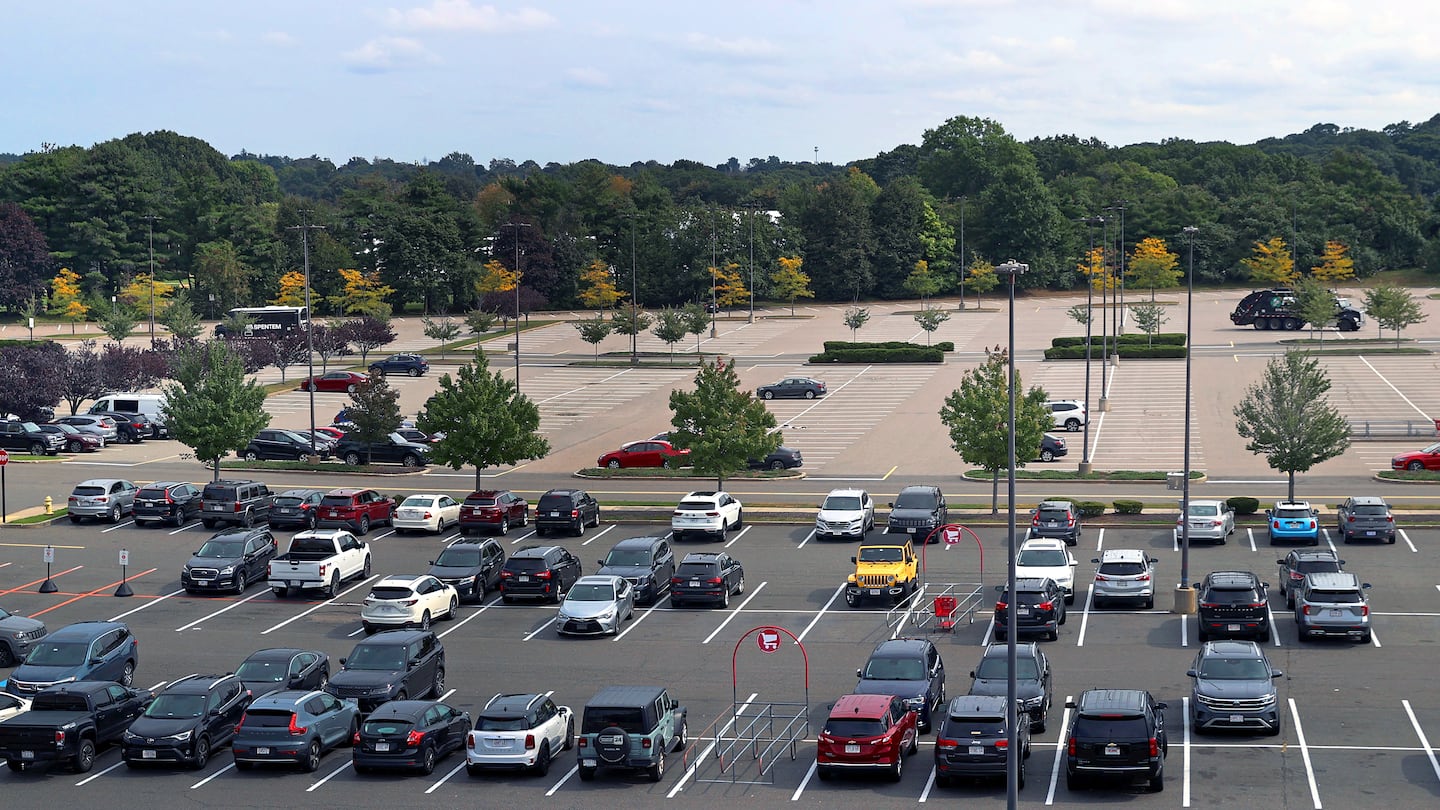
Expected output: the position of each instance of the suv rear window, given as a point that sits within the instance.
(1113, 728)
(1054, 514)
(268, 718)
(555, 502)
(1337, 597)
(598, 718)
(696, 506)
(1122, 569)
(965, 726)
(1370, 510)
(692, 569)
(1318, 567)
(391, 593)
(1292, 513)
(288, 500)
(89, 491)
(336, 500)
(474, 501)
(151, 492)
(854, 727)
(219, 493)
(524, 564)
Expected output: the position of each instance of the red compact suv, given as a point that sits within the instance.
(867, 733)
(493, 510)
(354, 509)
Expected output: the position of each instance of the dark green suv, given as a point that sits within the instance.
(630, 728)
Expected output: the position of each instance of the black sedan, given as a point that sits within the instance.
(295, 508)
(801, 387)
(410, 734)
(277, 668)
(1052, 447)
(784, 458)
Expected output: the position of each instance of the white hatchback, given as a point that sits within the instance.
(408, 601)
(427, 513)
(707, 512)
(523, 731)
(1048, 559)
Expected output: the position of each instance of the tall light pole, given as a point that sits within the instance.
(305, 228)
(714, 270)
(634, 293)
(962, 252)
(1012, 269)
(516, 226)
(1104, 317)
(1119, 205)
(150, 240)
(753, 208)
(1185, 595)
(1089, 317)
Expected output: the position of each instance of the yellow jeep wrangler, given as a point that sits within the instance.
(883, 570)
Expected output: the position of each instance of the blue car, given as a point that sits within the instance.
(294, 727)
(1293, 522)
(83, 651)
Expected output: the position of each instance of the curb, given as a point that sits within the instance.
(1200, 480)
(789, 475)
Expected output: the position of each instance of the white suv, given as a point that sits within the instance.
(845, 513)
(1048, 559)
(1069, 414)
(519, 731)
(406, 601)
(710, 513)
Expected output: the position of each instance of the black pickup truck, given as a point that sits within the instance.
(70, 723)
(27, 437)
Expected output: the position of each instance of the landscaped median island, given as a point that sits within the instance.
(1099, 476)
(893, 351)
(1128, 346)
(683, 473)
(324, 466)
(1410, 476)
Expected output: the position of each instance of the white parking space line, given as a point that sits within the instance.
(598, 535)
(1398, 393)
(735, 612)
(206, 780)
(690, 772)
(810, 774)
(230, 606)
(1406, 538)
(1331, 543)
(536, 631)
(1304, 753)
(1099, 539)
(738, 536)
(929, 783)
(1251, 534)
(1185, 630)
(1424, 741)
(989, 631)
(1274, 631)
(117, 526)
(807, 539)
(566, 778)
(326, 603)
(185, 528)
(816, 621)
(154, 601)
(332, 775)
(634, 623)
(382, 536)
(1059, 754)
(1185, 743)
(457, 625)
(444, 779)
(1085, 614)
(1374, 639)
(525, 536)
(94, 776)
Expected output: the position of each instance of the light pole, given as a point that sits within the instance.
(1185, 595)
(714, 270)
(634, 292)
(516, 234)
(962, 252)
(753, 208)
(305, 228)
(1119, 205)
(150, 240)
(1089, 317)
(1012, 269)
(1104, 318)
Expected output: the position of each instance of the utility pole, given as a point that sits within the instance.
(150, 239)
(714, 269)
(634, 292)
(305, 228)
(517, 226)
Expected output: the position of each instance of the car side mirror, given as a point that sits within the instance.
(1342, 562)
(859, 673)
(1365, 585)
(432, 562)
(1265, 585)
(414, 662)
(342, 662)
(999, 588)
(1190, 673)
(1275, 673)
(1162, 705)
(1094, 559)
(295, 680)
(600, 562)
(1070, 704)
(1267, 513)
(852, 559)
(891, 505)
(1153, 560)
(1279, 562)
(972, 673)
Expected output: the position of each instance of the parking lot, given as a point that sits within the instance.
(1361, 721)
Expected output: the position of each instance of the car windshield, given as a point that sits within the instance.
(841, 503)
(5, 614)
(263, 671)
(1292, 512)
(483, 723)
(376, 656)
(915, 500)
(628, 556)
(1042, 557)
(59, 654)
(591, 592)
(65, 428)
(881, 554)
(894, 669)
(853, 727)
(420, 501)
(1234, 669)
(221, 548)
(172, 706)
(1204, 510)
(459, 557)
(991, 669)
(599, 718)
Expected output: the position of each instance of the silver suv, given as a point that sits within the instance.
(103, 499)
(1125, 574)
(1333, 605)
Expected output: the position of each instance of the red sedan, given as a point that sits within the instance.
(344, 382)
(1427, 459)
(650, 453)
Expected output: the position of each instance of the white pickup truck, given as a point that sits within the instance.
(319, 559)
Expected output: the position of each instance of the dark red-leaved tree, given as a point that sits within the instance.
(34, 365)
(367, 334)
(25, 263)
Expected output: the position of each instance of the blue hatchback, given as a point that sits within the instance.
(1294, 521)
(83, 651)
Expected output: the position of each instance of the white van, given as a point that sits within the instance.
(152, 405)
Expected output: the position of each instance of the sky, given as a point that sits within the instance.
(623, 81)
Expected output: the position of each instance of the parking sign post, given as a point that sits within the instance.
(124, 589)
(48, 586)
(4, 510)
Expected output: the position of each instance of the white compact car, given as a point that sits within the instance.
(596, 605)
(519, 731)
(1048, 559)
(708, 513)
(845, 513)
(427, 513)
(408, 601)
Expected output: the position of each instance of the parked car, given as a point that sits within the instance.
(130, 428)
(1365, 517)
(69, 723)
(471, 566)
(1295, 566)
(75, 441)
(1032, 679)
(1233, 688)
(296, 509)
(566, 509)
(519, 731)
(417, 436)
(1052, 447)
(1070, 414)
(781, 458)
(411, 364)
(1293, 520)
(18, 635)
(393, 449)
(884, 569)
(594, 605)
(845, 513)
(101, 498)
(918, 510)
(173, 502)
(1056, 519)
(238, 502)
(276, 668)
(867, 733)
(409, 734)
(707, 513)
(284, 445)
(27, 437)
(12, 706)
(356, 510)
(1211, 521)
(1124, 575)
(185, 723)
(1045, 558)
(344, 382)
(83, 651)
(1116, 733)
(393, 665)
(651, 453)
(647, 563)
(543, 572)
(230, 560)
(909, 668)
(429, 512)
(407, 601)
(973, 740)
(1233, 604)
(293, 726)
(630, 728)
(494, 510)
(801, 387)
(1039, 608)
(101, 426)
(1425, 459)
(1333, 605)
(707, 576)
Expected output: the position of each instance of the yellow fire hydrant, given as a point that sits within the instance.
(49, 506)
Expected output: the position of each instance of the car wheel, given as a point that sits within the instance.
(542, 760)
(657, 771)
(414, 372)
(613, 464)
(311, 763)
(127, 675)
(1047, 455)
(365, 572)
(364, 527)
(809, 394)
(777, 465)
(240, 583)
(740, 586)
(477, 588)
(665, 464)
(897, 770)
(350, 389)
(1020, 777)
(75, 446)
(334, 588)
(248, 519)
(202, 753)
(209, 524)
(352, 458)
(425, 620)
(427, 763)
(1074, 781)
(1157, 780)
(37, 449)
(251, 455)
(683, 738)
(768, 395)
(504, 527)
(84, 758)
(115, 513)
(410, 460)
(1069, 598)
(724, 598)
(578, 529)
(454, 608)
(739, 519)
(438, 687)
(1415, 466)
(1072, 425)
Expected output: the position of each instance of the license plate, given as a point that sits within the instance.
(1123, 584)
(1022, 612)
(284, 511)
(147, 754)
(977, 750)
(852, 748)
(874, 591)
(695, 583)
(1237, 718)
(203, 581)
(382, 746)
(262, 751)
(909, 529)
(523, 579)
(216, 507)
(27, 754)
(1369, 534)
(554, 514)
(1112, 750)
(1336, 613)
(1052, 525)
(1232, 628)
(294, 583)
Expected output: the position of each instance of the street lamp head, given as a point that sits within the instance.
(1011, 268)
(1190, 229)
(1092, 221)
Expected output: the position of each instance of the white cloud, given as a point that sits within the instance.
(279, 38)
(388, 53)
(744, 47)
(587, 77)
(461, 15)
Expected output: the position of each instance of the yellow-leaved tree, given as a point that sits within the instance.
(65, 297)
(1094, 268)
(790, 282)
(1271, 263)
(292, 290)
(364, 294)
(599, 286)
(730, 289)
(1153, 265)
(145, 292)
(1335, 266)
(495, 277)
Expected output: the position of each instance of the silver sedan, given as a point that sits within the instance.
(596, 605)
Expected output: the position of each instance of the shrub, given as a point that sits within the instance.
(1243, 505)
(1090, 509)
(945, 346)
(1129, 339)
(1129, 507)
(1058, 498)
(908, 354)
(1125, 351)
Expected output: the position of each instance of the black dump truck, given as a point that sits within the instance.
(1276, 309)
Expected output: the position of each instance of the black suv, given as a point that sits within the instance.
(185, 723)
(412, 364)
(238, 502)
(166, 501)
(910, 669)
(566, 510)
(284, 445)
(630, 728)
(1234, 604)
(471, 564)
(130, 428)
(973, 741)
(230, 560)
(1032, 679)
(1039, 608)
(276, 668)
(539, 572)
(296, 508)
(1116, 732)
(648, 563)
(1057, 520)
(918, 511)
(707, 576)
(393, 665)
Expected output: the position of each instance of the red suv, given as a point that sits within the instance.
(494, 510)
(867, 733)
(354, 509)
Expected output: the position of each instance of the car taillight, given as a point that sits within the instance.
(1046, 606)
(1351, 518)
(714, 580)
(1154, 747)
(1143, 578)
(546, 574)
(1296, 575)
(529, 742)
(1035, 521)
(295, 730)
(1209, 604)
(1306, 610)
(413, 738)
(1002, 745)
(1256, 605)
(676, 581)
(237, 508)
(1214, 524)
(470, 742)
(409, 602)
(322, 570)
(1071, 747)
(946, 745)
(168, 499)
(574, 513)
(583, 743)
(1312, 524)
(355, 738)
(1364, 610)
(712, 514)
(645, 743)
(427, 515)
(1001, 605)
(1101, 578)
(59, 738)
(1070, 521)
(1274, 524)
(506, 574)
(1389, 518)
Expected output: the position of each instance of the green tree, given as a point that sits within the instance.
(696, 321)
(211, 407)
(1079, 313)
(181, 319)
(480, 321)
(593, 330)
(1288, 418)
(486, 422)
(1315, 305)
(670, 328)
(235, 325)
(1393, 308)
(930, 320)
(790, 282)
(982, 279)
(923, 282)
(443, 330)
(375, 409)
(977, 416)
(723, 426)
(630, 326)
(219, 271)
(118, 322)
(29, 311)
(1149, 318)
(1153, 265)
(856, 317)
(1270, 263)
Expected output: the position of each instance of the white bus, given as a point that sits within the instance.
(269, 321)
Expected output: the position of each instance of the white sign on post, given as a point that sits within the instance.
(49, 554)
(124, 556)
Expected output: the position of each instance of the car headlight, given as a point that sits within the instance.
(227, 570)
(608, 614)
(1034, 703)
(915, 702)
(181, 737)
(130, 736)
